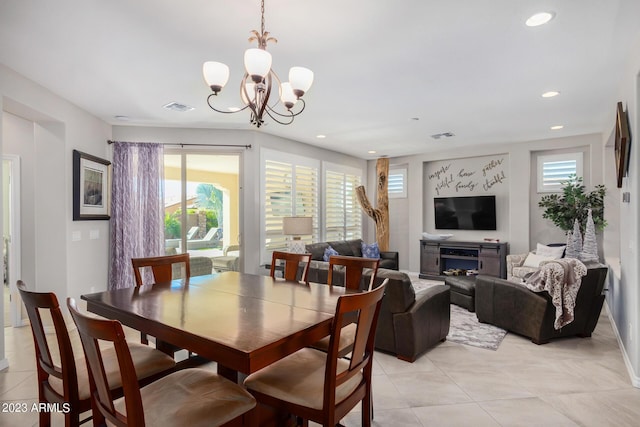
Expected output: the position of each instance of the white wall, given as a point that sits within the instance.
(623, 297)
(514, 227)
(44, 129)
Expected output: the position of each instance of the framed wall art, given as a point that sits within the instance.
(91, 187)
(622, 142)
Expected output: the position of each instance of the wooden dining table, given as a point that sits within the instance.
(242, 321)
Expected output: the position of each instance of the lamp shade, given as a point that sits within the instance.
(257, 62)
(297, 225)
(301, 79)
(287, 96)
(216, 74)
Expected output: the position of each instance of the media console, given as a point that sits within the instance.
(437, 256)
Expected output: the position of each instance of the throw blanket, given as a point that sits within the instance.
(562, 279)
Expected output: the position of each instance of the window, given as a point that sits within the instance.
(397, 183)
(290, 188)
(555, 169)
(342, 213)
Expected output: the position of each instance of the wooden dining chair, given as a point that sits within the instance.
(63, 378)
(189, 397)
(353, 269)
(322, 387)
(290, 264)
(161, 267)
(162, 270)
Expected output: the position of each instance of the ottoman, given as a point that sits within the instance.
(463, 291)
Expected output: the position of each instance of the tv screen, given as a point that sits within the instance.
(465, 213)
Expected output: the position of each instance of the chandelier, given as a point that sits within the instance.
(258, 82)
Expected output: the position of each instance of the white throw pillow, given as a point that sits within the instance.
(534, 260)
(554, 252)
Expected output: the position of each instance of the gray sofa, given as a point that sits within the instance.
(408, 324)
(388, 260)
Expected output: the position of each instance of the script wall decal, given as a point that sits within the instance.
(468, 176)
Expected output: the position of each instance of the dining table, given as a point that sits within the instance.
(242, 321)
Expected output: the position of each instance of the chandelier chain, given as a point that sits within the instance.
(262, 21)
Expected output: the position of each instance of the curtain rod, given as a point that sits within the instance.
(198, 145)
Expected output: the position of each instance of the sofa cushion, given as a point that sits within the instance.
(317, 250)
(328, 253)
(347, 247)
(370, 251)
(534, 260)
(550, 251)
(521, 272)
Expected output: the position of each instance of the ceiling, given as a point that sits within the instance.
(388, 75)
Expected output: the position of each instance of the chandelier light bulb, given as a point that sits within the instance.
(301, 79)
(257, 62)
(216, 74)
(287, 96)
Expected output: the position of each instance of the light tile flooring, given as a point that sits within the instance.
(568, 382)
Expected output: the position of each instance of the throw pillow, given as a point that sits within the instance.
(328, 253)
(554, 252)
(370, 251)
(534, 260)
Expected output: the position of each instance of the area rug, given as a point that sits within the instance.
(464, 327)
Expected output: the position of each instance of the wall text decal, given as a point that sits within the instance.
(468, 175)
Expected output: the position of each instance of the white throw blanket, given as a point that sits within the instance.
(562, 279)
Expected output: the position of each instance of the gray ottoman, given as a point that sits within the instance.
(463, 291)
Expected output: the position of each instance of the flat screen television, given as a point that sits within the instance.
(465, 213)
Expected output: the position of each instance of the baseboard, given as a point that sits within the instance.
(635, 379)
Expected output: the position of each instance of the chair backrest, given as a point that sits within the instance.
(366, 306)
(46, 366)
(92, 330)
(353, 270)
(161, 267)
(291, 262)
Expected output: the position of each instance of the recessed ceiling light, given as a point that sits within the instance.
(122, 118)
(557, 127)
(372, 151)
(233, 109)
(539, 19)
(550, 94)
(321, 136)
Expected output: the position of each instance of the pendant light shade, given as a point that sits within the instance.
(301, 79)
(257, 62)
(287, 96)
(216, 74)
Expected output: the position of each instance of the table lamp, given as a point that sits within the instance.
(297, 226)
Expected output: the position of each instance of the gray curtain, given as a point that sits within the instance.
(137, 211)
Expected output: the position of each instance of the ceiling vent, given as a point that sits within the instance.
(176, 106)
(443, 135)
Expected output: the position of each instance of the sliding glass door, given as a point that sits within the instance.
(202, 199)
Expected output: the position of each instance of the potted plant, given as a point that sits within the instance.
(574, 203)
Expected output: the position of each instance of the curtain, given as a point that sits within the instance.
(137, 211)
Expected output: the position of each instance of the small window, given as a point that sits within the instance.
(397, 183)
(555, 169)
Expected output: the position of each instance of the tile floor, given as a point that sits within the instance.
(568, 382)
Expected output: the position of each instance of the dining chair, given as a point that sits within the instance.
(322, 387)
(193, 397)
(63, 379)
(290, 264)
(353, 269)
(162, 270)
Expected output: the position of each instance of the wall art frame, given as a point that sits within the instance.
(622, 143)
(91, 187)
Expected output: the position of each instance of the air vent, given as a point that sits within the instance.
(443, 135)
(176, 106)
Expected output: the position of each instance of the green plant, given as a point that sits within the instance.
(171, 227)
(573, 203)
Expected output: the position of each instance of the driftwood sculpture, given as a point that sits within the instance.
(380, 214)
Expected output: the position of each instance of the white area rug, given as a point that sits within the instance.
(464, 327)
